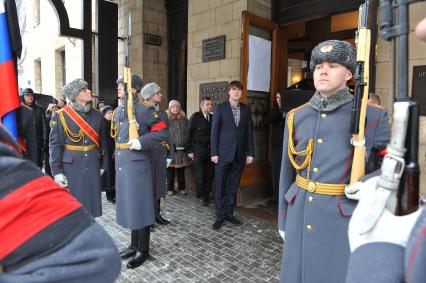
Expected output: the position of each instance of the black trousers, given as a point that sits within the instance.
(171, 178)
(228, 175)
(204, 171)
(276, 156)
(140, 239)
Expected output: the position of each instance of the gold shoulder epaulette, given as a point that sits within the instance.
(143, 102)
(376, 106)
(298, 108)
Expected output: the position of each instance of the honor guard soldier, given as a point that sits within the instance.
(394, 250)
(161, 156)
(45, 234)
(77, 142)
(317, 154)
(134, 185)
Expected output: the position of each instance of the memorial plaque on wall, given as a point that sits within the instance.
(213, 48)
(418, 92)
(217, 91)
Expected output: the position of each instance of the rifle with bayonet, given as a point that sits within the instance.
(127, 79)
(400, 170)
(359, 109)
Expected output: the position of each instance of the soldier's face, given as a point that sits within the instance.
(330, 78)
(120, 90)
(156, 98)
(235, 93)
(61, 103)
(84, 96)
(108, 115)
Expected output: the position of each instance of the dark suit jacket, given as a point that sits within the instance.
(228, 140)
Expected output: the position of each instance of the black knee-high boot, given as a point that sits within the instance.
(131, 250)
(142, 248)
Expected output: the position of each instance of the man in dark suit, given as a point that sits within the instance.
(231, 148)
(198, 147)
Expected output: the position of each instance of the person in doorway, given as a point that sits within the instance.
(177, 127)
(276, 118)
(313, 211)
(231, 148)
(198, 147)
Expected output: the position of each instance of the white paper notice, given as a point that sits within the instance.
(259, 71)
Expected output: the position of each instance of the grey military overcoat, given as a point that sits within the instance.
(159, 155)
(134, 185)
(82, 169)
(316, 247)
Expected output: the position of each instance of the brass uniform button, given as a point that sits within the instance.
(315, 170)
(309, 227)
(311, 187)
(323, 115)
(310, 198)
(320, 141)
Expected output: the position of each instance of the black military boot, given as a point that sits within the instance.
(142, 252)
(131, 250)
(160, 220)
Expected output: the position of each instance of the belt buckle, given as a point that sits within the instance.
(312, 187)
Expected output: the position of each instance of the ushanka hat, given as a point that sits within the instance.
(71, 89)
(137, 82)
(334, 51)
(149, 90)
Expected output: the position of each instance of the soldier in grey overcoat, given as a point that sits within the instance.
(134, 186)
(317, 155)
(161, 155)
(76, 146)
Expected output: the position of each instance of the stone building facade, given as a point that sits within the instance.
(49, 60)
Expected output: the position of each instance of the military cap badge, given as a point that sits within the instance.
(326, 48)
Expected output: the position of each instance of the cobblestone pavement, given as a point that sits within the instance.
(188, 250)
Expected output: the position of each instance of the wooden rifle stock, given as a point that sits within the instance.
(133, 127)
(359, 111)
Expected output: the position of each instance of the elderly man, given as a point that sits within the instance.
(77, 144)
(134, 185)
